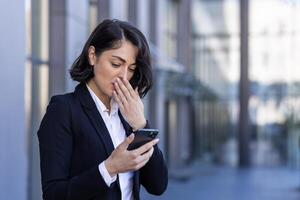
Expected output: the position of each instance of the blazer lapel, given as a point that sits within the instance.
(94, 116)
(128, 129)
(136, 182)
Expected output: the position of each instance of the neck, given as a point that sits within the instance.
(103, 98)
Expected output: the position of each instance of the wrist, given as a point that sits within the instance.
(141, 125)
(110, 168)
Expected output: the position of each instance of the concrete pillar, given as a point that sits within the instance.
(143, 16)
(157, 109)
(39, 90)
(244, 138)
(103, 10)
(133, 12)
(57, 46)
(184, 50)
(77, 32)
(13, 140)
(118, 9)
(68, 33)
(184, 130)
(155, 26)
(173, 135)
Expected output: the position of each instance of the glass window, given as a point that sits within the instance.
(215, 27)
(169, 38)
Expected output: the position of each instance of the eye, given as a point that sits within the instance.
(115, 65)
(132, 69)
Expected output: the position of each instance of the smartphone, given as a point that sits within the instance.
(141, 137)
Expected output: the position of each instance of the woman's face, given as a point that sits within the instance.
(110, 65)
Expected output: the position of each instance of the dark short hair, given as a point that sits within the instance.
(108, 35)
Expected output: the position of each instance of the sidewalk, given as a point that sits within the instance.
(216, 183)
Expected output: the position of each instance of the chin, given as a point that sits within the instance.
(109, 93)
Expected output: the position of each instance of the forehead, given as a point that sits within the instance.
(125, 50)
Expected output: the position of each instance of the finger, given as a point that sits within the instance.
(129, 87)
(146, 147)
(120, 94)
(142, 164)
(148, 153)
(137, 91)
(143, 159)
(139, 162)
(124, 89)
(127, 141)
(118, 100)
(145, 155)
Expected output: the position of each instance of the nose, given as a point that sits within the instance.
(124, 72)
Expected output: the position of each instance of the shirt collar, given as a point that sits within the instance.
(114, 107)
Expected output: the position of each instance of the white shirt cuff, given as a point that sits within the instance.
(106, 176)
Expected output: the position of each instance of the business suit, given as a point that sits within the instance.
(74, 140)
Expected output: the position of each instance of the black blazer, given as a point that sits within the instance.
(74, 140)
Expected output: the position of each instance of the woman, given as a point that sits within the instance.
(84, 135)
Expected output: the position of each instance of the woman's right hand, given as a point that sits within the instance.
(123, 160)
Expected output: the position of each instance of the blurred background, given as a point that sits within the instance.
(226, 97)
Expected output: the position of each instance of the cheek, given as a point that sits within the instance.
(98, 75)
(101, 72)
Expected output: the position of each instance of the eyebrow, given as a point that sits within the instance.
(122, 59)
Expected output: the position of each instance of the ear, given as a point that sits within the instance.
(92, 55)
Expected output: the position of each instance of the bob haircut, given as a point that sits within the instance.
(108, 35)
